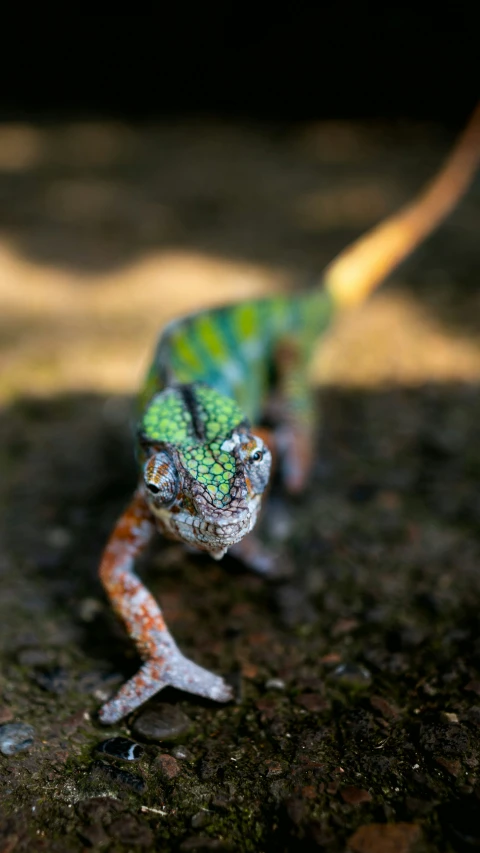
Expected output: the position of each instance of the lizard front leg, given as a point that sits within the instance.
(164, 663)
(290, 408)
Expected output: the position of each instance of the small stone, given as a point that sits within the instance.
(167, 765)
(449, 717)
(388, 710)
(98, 810)
(275, 684)
(6, 714)
(354, 796)
(122, 748)
(331, 658)
(222, 801)
(344, 626)
(131, 831)
(161, 722)
(473, 715)
(274, 768)
(55, 680)
(296, 809)
(200, 819)
(15, 737)
(454, 767)
(75, 722)
(385, 838)
(89, 609)
(309, 792)
(119, 776)
(268, 707)
(352, 674)
(58, 537)
(182, 753)
(249, 670)
(98, 684)
(94, 835)
(312, 702)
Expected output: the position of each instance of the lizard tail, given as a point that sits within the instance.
(363, 265)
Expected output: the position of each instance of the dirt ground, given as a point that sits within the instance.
(357, 724)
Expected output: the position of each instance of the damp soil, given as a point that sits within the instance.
(356, 724)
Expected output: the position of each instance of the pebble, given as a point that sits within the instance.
(312, 702)
(89, 609)
(454, 767)
(473, 715)
(387, 709)
(200, 819)
(182, 753)
(54, 680)
(94, 835)
(449, 717)
(161, 722)
(354, 796)
(132, 832)
(352, 674)
(15, 737)
(168, 766)
(122, 748)
(275, 684)
(119, 776)
(6, 714)
(58, 537)
(385, 838)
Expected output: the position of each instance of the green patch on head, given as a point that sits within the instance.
(167, 418)
(198, 431)
(219, 414)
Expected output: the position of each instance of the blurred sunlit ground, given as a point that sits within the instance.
(107, 232)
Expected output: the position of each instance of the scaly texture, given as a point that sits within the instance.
(203, 468)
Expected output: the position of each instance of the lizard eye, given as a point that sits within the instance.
(160, 477)
(259, 462)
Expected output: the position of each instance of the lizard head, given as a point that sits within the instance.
(204, 471)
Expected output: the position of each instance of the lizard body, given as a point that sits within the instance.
(203, 466)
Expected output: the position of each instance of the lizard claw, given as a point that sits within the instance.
(157, 673)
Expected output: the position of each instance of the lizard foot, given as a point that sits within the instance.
(259, 559)
(157, 673)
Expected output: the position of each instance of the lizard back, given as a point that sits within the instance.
(232, 348)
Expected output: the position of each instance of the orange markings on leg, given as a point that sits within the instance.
(130, 598)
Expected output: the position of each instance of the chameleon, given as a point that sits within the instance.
(226, 397)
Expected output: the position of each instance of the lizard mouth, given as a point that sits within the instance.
(214, 534)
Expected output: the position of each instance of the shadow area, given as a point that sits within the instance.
(373, 646)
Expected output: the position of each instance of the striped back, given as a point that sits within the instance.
(232, 348)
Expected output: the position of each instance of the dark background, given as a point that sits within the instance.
(323, 61)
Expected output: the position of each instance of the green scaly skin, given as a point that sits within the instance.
(204, 468)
